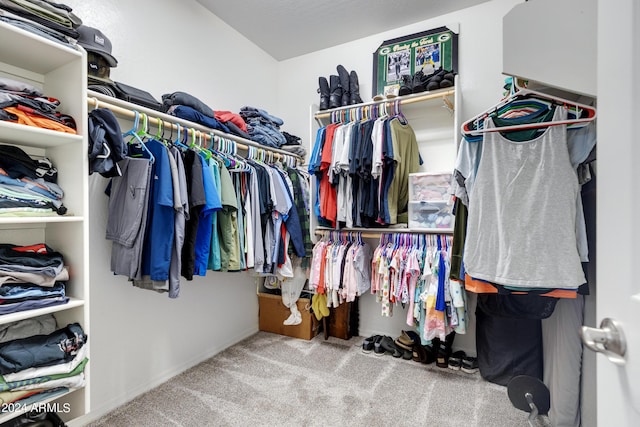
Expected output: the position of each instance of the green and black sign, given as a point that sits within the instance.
(426, 51)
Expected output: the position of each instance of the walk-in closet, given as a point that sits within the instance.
(340, 213)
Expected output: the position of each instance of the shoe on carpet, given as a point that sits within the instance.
(407, 340)
(469, 365)
(377, 346)
(367, 343)
(455, 360)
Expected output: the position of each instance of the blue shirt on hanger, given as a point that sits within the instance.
(205, 223)
(158, 242)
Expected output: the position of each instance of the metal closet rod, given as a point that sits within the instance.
(408, 99)
(127, 110)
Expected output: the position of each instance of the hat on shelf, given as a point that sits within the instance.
(93, 40)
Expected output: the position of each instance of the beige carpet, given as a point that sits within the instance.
(272, 380)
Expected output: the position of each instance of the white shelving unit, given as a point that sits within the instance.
(434, 117)
(61, 72)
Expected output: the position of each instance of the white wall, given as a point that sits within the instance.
(138, 338)
(481, 81)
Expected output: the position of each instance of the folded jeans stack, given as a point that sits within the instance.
(262, 127)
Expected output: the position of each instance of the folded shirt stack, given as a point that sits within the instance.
(31, 277)
(42, 16)
(42, 365)
(27, 185)
(25, 104)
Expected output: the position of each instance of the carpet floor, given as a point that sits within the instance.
(273, 380)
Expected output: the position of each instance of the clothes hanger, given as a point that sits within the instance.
(398, 112)
(143, 132)
(133, 133)
(581, 110)
(178, 142)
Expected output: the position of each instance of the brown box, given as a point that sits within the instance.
(272, 312)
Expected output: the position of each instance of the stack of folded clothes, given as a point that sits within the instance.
(31, 277)
(34, 27)
(25, 104)
(188, 107)
(262, 127)
(293, 145)
(46, 18)
(42, 365)
(28, 186)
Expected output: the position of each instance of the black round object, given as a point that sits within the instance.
(519, 386)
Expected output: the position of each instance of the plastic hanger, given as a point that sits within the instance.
(143, 132)
(178, 142)
(133, 133)
(581, 110)
(398, 112)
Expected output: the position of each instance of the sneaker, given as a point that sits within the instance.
(377, 345)
(455, 360)
(367, 343)
(469, 365)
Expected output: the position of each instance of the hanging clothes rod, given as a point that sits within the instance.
(408, 99)
(127, 110)
(374, 234)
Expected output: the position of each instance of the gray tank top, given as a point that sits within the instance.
(522, 211)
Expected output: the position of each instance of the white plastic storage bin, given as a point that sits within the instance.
(430, 201)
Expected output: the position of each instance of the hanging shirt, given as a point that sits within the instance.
(227, 223)
(328, 197)
(258, 240)
(406, 157)
(156, 253)
(203, 232)
(237, 182)
(522, 212)
(197, 199)
(181, 206)
(214, 250)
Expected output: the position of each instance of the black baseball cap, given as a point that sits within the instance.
(93, 40)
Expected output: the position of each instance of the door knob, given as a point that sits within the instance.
(608, 339)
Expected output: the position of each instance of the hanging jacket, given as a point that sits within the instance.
(106, 145)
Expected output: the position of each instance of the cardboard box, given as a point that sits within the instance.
(272, 312)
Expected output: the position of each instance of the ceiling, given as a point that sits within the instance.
(289, 28)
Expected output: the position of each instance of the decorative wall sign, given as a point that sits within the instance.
(426, 51)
